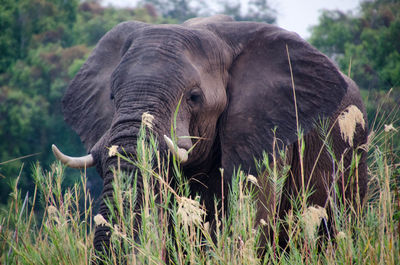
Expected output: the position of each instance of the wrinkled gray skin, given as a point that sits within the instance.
(236, 85)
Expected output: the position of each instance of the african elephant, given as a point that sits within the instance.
(240, 84)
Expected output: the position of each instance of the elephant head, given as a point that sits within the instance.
(239, 85)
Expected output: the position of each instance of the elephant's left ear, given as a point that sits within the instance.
(87, 106)
(261, 90)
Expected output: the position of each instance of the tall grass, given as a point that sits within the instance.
(169, 225)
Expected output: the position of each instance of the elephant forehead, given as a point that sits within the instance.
(200, 42)
(173, 51)
(175, 35)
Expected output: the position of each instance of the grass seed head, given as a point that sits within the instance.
(348, 120)
(190, 211)
(252, 179)
(52, 210)
(312, 217)
(341, 235)
(389, 128)
(262, 222)
(147, 120)
(53, 214)
(99, 220)
(118, 233)
(113, 151)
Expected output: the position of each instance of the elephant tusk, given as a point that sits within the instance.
(180, 153)
(74, 162)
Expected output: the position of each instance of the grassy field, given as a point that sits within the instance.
(56, 226)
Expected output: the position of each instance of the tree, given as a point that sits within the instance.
(43, 44)
(181, 10)
(255, 10)
(177, 10)
(368, 41)
(258, 10)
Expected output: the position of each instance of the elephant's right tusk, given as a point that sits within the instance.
(180, 153)
(74, 162)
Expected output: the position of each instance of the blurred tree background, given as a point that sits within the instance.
(366, 46)
(43, 43)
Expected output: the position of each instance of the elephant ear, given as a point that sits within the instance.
(260, 91)
(87, 105)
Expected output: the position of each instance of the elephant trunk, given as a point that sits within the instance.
(124, 133)
(109, 164)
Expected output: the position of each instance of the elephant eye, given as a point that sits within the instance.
(112, 96)
(195, 97)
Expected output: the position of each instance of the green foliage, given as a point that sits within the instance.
(63, 232)
(27, 23)
(367, 43)
(181, 10)
(93, 20)
(59, 234)
(43, 44)
(8, 37)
